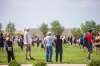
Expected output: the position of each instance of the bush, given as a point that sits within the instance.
(40, 63)
(94, 63)
(14, 63)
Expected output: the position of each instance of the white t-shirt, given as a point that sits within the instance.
(27, 38)
(48, 41)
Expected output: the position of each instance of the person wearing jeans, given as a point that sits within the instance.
(49, 54)
(59, 50)
(48, 40)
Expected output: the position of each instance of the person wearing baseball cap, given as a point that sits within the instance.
(27, 43)
(48, 40)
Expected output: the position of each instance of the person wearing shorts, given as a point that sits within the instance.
(27, 43)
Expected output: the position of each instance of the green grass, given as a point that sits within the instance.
(71, 55)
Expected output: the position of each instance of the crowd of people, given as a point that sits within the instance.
(26, 41)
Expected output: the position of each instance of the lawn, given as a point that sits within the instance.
(71, 55)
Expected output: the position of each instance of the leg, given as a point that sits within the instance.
(29, 49)
(47, 54)
(61, 55)
(80, 45)
(90, 49)
(56, 55)
(1, 46)
(30, 55)
(9, 56)
(50, 53)
(21, 46)
(12, 55)
(26, 51)
(37, 44)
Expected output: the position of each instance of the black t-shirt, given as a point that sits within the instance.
(9, 43)
(58, 44)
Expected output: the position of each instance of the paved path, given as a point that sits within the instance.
(54, 65)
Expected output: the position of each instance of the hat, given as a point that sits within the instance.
(27, 28)
(49, 33)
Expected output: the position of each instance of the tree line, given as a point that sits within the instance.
(10, 27)
(84, 27)
(57, 28)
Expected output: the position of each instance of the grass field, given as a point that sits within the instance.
(71, 55)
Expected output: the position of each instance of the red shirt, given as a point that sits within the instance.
(89, 37)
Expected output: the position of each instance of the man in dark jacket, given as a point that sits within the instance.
(58, 43)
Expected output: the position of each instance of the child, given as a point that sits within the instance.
(9, 49)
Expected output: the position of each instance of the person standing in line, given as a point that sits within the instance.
(59, 49)
(48, 40)
(89, 38)
(27, 43)
(9, 48)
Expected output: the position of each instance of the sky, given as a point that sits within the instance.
(32, 13)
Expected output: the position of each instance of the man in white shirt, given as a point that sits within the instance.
(27, 43)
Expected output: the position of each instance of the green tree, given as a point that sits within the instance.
(76, 32)
(44, 28)
(10, 28)
(98, 27)
(56, 27)
(88, 25)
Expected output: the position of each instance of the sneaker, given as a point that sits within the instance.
(32, 58)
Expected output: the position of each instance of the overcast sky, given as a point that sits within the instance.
(32, 13)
